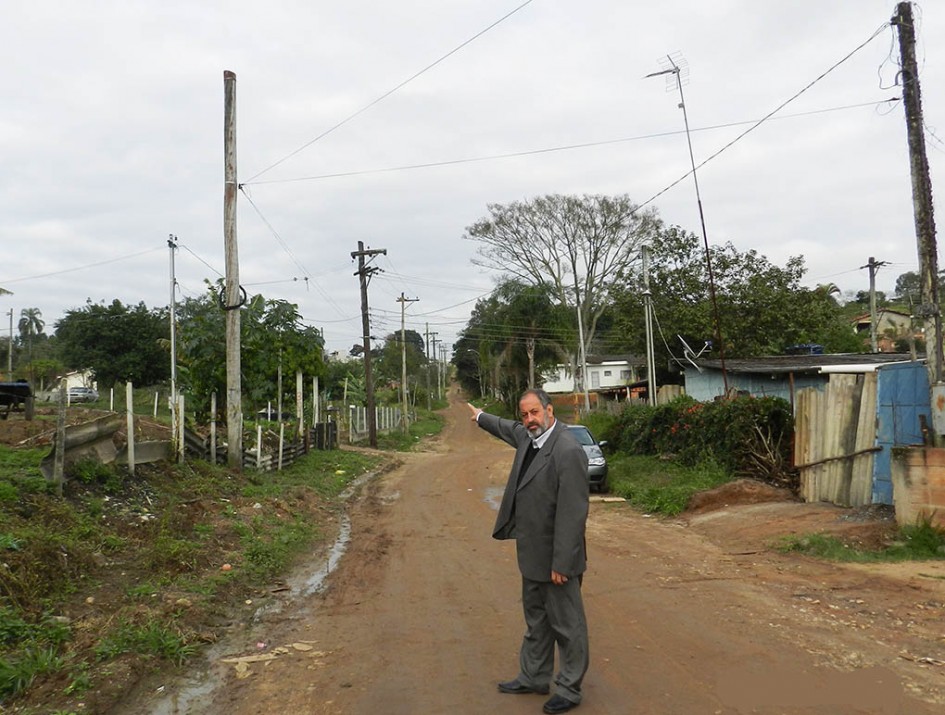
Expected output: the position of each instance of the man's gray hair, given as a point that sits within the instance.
(543, 397)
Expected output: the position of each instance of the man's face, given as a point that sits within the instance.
(536, 418)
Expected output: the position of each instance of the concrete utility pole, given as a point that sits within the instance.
(922, 209)
(364, 273)
(232, 301)
(172, 246)
(10, 351)
(873, 266)
(426, 351)
(405, 422)
(431, 346)
(436, 364)
(648, 307)
(581, 346)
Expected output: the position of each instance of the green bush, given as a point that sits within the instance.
(746, 436)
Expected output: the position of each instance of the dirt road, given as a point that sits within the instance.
(690, 616)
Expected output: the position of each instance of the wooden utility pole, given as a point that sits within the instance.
(364, 273)
(405, 422)
(873, 265)
(922, 210)
(232, 301)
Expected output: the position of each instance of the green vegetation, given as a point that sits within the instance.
(124, 570)
(661, 486)
(921, 541)
(426, 424)
(661, 456)
(744, 436)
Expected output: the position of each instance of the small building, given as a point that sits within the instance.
(774, 376)
(604, 373)
(891, 326)
(850, 412)
(78, 378)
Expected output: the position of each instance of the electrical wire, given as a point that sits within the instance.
(566, 147)
(187, 248)
(291, 255)
(82, 268)
(391, 91)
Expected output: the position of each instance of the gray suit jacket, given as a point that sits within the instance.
(550, 504)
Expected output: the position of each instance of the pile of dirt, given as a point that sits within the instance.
(740, 491)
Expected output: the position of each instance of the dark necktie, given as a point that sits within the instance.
(526, 461)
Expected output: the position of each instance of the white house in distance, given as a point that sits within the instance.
(604, 372)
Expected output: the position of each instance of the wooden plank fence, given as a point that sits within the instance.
(199, 446)
(834, 440)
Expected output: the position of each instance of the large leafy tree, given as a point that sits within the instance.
(575, 248)
(390, 357)
(763, 307)
(514, 334)
(118, 342)
(272, 335)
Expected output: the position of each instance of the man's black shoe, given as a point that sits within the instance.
(514, 687)
(557, 704)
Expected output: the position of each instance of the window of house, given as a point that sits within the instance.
(606, 373)
(624, 374)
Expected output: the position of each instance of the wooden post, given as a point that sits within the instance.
(180, 427)
(59, 464)
(130, 412)
(299, 402)
(258, 447)
(281, 443)
(232, 291)
(213, 428)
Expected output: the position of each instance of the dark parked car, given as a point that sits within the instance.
(596, 462)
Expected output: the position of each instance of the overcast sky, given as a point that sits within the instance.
(111, 138)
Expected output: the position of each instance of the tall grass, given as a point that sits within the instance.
(659, 485)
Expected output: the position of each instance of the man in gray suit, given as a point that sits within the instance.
(544, 509)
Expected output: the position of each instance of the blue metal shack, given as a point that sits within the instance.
(902, 394)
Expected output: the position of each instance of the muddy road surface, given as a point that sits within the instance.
(697, 615)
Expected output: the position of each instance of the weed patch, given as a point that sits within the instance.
(922, 541)
(661, 486)
(125, 569)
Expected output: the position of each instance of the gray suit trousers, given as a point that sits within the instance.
(554, 614)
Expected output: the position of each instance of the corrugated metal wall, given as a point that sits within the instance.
(844, 434)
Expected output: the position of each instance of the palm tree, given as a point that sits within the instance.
(31, 323)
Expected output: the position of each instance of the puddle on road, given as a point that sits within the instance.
(194, 693)
(493, 497)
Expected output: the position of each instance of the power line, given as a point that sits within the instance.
(289, 252)
(391, 91)
(187, 248)
(566, 147)
(82, 268)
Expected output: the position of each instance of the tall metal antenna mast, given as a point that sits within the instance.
(677, 67)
